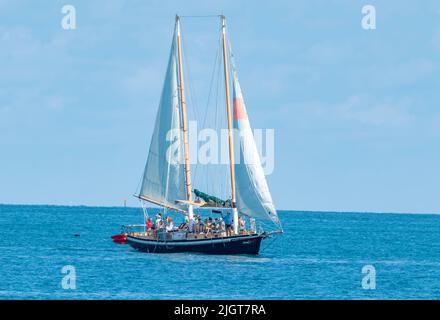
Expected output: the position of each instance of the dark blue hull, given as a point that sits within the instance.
(245, 244)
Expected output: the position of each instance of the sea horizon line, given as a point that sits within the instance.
(279, 210)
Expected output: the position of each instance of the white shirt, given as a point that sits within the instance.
(170, 227)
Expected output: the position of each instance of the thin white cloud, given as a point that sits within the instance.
(364, 110)
(396, 74)
(361, 109)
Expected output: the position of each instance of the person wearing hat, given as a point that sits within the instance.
(158, 220)
(158, 224)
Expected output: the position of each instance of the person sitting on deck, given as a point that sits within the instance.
(196, 225)
(242, 224)
(183, 226)
(170, 226)
(208, 225)
(216, 226)
(200, 226)
(191, 224)
(228, 223)
(222, 227)
(149, 224)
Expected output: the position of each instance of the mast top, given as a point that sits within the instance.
(223, 18)
(178, 24)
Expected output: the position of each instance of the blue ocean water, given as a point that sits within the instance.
(320, 256)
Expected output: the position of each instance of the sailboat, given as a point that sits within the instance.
(167, 183)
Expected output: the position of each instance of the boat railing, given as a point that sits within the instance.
(133, 228)
(140, 230)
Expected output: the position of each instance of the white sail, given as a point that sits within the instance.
(164, 176)
(253, 195)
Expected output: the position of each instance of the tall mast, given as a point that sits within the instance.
(230, 136)
(184, 121)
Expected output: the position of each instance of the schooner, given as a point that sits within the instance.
(167, 182)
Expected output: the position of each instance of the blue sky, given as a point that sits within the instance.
(356, 113)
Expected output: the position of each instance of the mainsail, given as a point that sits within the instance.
(253, 195)
(164, 177)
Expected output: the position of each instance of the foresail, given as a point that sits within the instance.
(164, 177)
(252, 192)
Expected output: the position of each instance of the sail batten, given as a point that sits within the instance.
(164, 175)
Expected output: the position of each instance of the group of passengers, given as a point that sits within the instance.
(195, 224)
(160, 223)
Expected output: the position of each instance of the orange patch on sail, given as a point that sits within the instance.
(239, 111)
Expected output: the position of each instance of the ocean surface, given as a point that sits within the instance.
(320, 256)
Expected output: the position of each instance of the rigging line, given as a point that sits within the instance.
(223, 126)
(141, 178)
(269, 244)
(193, 106)
(192, 89)
(219, 122)
(210, 86)
(213, 166)
(232, 56)
(219, 174)
(209, 98)
(217, 115)
(187, 76)
(202, 16)
(167, 183)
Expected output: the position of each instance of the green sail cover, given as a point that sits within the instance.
(210, 199)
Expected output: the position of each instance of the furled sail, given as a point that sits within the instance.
(253, 195)
(164, 177)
